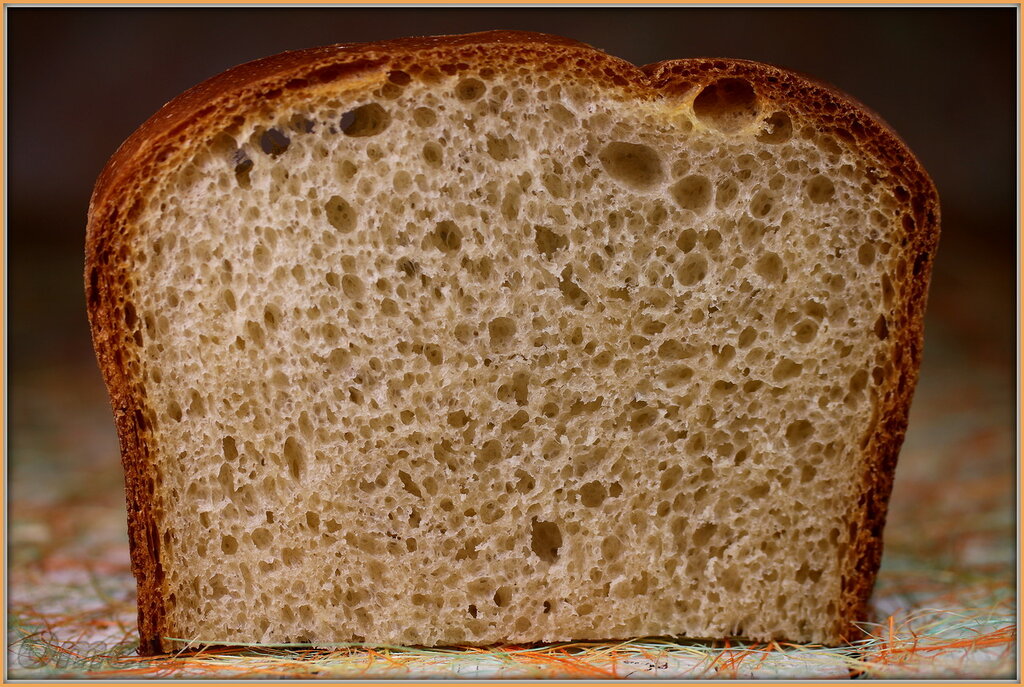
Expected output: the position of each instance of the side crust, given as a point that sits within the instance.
(215, 105)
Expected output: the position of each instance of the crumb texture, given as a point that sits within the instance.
(493, 357)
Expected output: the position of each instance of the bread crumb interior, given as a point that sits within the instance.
(492, 357)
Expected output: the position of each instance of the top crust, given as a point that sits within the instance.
(216, 104)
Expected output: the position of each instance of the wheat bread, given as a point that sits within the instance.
(499, 338)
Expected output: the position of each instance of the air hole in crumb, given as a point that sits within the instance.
(786, 369)
(722, 388)
(500, 149)
(692, 192)
(447, 237)
(778, 128)
(518, 420)
(866, 254)
(770, 268)
(469, 89)
(273, 142)
(761, 204)
(294, 457)
(433, 354)
(261, 255)
(300, 123)
(399, 77)
(458, 418)
(261, 537)
(409, 485)
(549, 242)
(704, 533)
(491, 512)
(728, 104)
(859, 381)
(242, 166)
(687, 240)
(882, 328)
(820, 189)
(526, 483)
(555, 184)
(521, 388)
(229, 448)
(490, 452)
(339, 359)
(341, 215)
(352, 286)
(642, 419)
(228, 544)
(433, 154)
(576, 296)
(877, 375)
(747, 337)
(408, 266)
(888, 291)
(675, 350)
(502, 596)
(366, 120)
(545, 540)
(798, 432)
(693, 270)
(389, 91)
(634, 165)
(592, 494)
(805, 331)
(424, 116)
(271, 316)
(671, 477)
(611, 547)
(676, 375)
(501, 331)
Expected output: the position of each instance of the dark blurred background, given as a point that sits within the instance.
(80, 81)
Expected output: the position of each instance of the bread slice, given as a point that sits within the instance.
(497, 338)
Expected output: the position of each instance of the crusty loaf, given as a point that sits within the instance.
(498, 338)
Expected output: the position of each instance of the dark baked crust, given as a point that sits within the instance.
(216, 104)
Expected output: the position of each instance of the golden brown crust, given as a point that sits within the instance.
(130, 410)
(214, 105)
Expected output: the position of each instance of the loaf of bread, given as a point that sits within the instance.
(497, 338)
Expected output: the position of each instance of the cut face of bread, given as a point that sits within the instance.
(498, 338)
